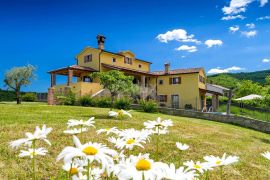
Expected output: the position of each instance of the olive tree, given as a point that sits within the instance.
(115, 81)
(17, 77)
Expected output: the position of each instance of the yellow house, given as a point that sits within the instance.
(177, 88)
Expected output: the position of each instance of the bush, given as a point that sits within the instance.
(103, 102)
(29, 97)
(86, 101)
(149, 106)
(188, 106)
(122, 103)
(68, 99)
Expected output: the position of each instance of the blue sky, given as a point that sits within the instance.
(49, 34)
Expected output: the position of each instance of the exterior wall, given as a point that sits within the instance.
(188, 90)
(202, 85)
(107, 58)
(95, 58)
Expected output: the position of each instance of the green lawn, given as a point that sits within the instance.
(246, 112)
(204, 138)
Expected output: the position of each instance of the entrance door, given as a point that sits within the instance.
(175, 101)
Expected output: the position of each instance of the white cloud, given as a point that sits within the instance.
(211, 42)
(266, 60)
(187, 48)
(238, 6)
(250, 25)
(227, 18)
(180, 35)
(218, 70)
(263, 18)
(249, 34)
(233, 29)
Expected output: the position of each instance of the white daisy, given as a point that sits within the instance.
(139, 167)
(39, 134)
(266, 155)
(73, 168)
(121, 143)
(200, 167)
(90, 151)
(140, 135)
(170, 172)
(108, 131)
(120, 114)
(33, 152)
(214, 161)
(158, 126)
(181, 146)
(75, 131)
(74, 122)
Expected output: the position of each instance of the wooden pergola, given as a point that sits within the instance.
(70, 71)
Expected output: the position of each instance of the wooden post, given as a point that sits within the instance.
(70, 75)
(53, 79)
(229, 102)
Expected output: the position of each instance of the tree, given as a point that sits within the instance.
(115, 81)
(17, 77)
(248, 87)
(267, 79)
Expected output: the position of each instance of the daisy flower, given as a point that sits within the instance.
(120, 114)
(200, 167)
(181, 146)
(214, 161)
(73, 168)
(33, 152)
(39, 134)
(75, 131)
(170, 172)
(141, 135)
(139, 167)
(158, 126)
(90, 151)
(121, 143)
(74, 122)
(108, 131)
(266, 155)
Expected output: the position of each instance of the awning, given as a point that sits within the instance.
(77, 70)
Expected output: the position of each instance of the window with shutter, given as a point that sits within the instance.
(88, 58)
(162, 98)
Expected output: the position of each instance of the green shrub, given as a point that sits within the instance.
(86, 101)
(70, 99)
(149, 106)
(122, 103)
(29, 97)
(188, 106)
(103, 102)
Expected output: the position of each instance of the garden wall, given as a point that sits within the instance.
(231, 119)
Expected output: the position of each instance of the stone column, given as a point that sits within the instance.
(53, 79)
(214, 102)
(143, 87)
(217, 101)
(143, 81)
(51, 96)
(70, 75)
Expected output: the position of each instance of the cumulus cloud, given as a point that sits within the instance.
(227, 18)
(233, 29)
(218, 70)
(238, 6)
(249, 34)
(265, 60)
(250, 25)
(211, 42)
(187, 48)
(180, 35)
(263, 18)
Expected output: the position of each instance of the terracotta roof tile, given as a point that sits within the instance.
(179, 71)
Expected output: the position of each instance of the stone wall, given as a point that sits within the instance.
(231, 119)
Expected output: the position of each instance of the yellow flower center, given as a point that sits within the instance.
(218, 162)
(33, 153)
(143, 165)
(130, 141)
(90, 150)
(73, 171)
(120, 113)
(107, 129)
(196, 166)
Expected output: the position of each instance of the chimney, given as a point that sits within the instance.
(167, 68)
(101, 41)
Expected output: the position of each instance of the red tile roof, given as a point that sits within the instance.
(74, 67)
(179, 71)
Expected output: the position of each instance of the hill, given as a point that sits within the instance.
(230, 79)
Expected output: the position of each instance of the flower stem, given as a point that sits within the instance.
(157, 145)
(221, 172)
(88, 170)
(33, 161)
(207, 175)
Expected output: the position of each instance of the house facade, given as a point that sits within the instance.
(171, 88)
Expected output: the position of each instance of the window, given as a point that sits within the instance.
(113, 59)
(128, 60)
(175, 80)
(87, 79)
(160, 82)
(140, 66)
(88, 58)
(202, 79)
(162, 98)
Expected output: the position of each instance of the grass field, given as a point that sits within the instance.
(246, 112)
(204, 138)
